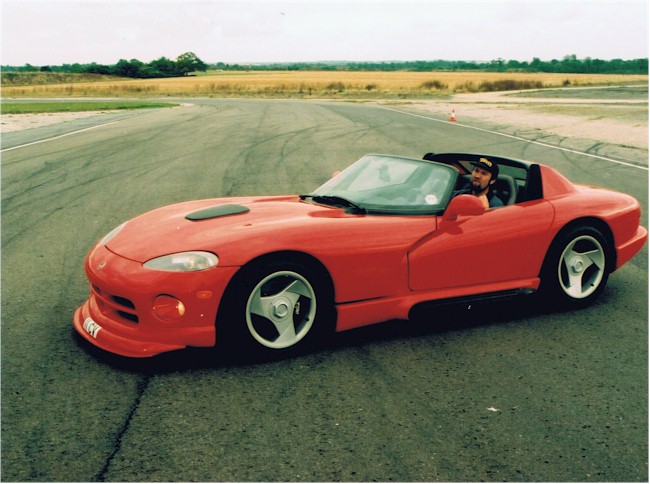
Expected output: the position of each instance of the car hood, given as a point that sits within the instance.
(209, 225)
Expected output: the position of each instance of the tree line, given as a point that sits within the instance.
(189, 62)
(162, 67)
(569, 64)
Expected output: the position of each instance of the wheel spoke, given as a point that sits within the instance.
(297, 289)
(574, 288)
(260, 305)
(566, 258)
(286, 329)
(596, 257)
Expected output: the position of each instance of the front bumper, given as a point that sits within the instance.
(118, 316)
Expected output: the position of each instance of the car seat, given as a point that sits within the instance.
(506, 189)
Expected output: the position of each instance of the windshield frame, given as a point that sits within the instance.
(383, 185)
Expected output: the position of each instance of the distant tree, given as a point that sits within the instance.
(94, 68)
(536, 64)
(189, 62)
(640, 65)
(515, 65)
(570, 63)
(498, 65)
(617, 65)
(164, 67)
(76, 68)
(124, 68)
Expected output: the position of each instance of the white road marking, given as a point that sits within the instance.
(56, 137)
(518, 138)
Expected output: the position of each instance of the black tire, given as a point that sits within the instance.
(576, 267)
(276, 308)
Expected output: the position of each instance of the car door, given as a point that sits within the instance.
(501, 244)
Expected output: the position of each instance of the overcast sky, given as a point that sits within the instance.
(53, 32)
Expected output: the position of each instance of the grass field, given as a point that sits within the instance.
(76, 106)
(315, 84)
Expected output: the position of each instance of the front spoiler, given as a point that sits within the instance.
(116, 344)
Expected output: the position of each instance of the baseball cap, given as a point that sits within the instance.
(487, 165)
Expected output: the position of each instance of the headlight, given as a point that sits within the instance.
(112, 234)
(183, 262)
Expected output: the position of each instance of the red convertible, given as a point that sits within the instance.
(385, 236)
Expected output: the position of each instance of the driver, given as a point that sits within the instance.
(484, 175)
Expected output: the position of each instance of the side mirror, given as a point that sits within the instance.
(463, 205)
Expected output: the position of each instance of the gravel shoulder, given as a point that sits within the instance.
(19, 122)
(593, 116)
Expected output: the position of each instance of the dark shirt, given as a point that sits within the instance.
(493, 200)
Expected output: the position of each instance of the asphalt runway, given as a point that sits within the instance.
(507, 392)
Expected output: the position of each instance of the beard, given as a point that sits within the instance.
(477, 188)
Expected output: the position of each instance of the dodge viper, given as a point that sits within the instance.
(375, 242)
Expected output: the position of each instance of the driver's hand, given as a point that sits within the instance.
(486, 203)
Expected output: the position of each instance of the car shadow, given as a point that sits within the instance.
(423, 322)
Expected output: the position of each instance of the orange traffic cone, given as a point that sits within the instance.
(452, 116)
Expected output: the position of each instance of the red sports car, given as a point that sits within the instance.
(376, 241)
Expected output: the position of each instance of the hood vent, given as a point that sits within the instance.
(218, 211)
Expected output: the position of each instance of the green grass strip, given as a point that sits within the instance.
(76, 106)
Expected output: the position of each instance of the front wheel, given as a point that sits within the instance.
(576, 268)
(277, 308)
(281, 310)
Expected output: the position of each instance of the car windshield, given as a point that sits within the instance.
(389, 185)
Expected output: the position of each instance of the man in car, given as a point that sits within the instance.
(484, 175)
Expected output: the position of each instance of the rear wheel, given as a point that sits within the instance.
(278, 308)
(576, 268)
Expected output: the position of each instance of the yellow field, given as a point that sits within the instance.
(327, 84)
